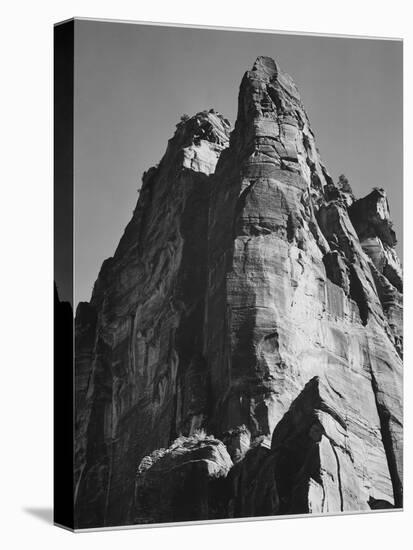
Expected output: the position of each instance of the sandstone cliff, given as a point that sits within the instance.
(241, 352)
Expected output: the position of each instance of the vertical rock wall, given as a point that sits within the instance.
(251, 298)
(140, 371)
(292, 295)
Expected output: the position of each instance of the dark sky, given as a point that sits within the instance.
(133, 82)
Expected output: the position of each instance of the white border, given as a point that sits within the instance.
(227, 520)
(27, 274)
(225, 28)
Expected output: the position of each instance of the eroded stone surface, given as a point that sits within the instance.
(182, 483)
(255, 299)
(143, 358)
(318, 450)
(293, 290)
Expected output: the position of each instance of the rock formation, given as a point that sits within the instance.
(241, 352)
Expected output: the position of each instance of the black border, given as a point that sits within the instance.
(63, 425)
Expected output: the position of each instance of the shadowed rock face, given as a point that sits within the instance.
(252, 298)
(187, 480)
(140, 369)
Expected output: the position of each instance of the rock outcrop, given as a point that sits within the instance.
(183, 481)
(139, 340)
(252, 298)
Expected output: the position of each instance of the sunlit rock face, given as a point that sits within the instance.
(292, 295)
(251, 298)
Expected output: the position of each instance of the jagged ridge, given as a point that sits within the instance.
(252, 298)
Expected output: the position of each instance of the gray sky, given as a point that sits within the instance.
(133, 82)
